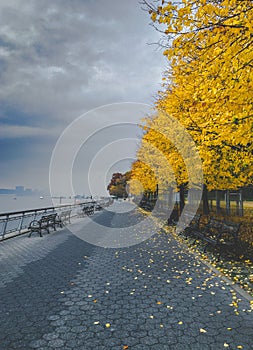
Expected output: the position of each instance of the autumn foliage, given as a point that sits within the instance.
(118, 185)
(207, 88)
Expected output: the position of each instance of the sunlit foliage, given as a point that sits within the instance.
(207, 87)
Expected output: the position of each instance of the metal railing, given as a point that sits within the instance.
(16, 223)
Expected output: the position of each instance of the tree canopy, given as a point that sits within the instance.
(207, 88)
(118, 184)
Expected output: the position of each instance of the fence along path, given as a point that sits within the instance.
(16, 223)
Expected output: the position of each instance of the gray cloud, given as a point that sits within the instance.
(60, 59)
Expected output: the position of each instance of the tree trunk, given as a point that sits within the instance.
(170, 198)
(205, 200)
(218, 208)
(182, 198)
(173, 208)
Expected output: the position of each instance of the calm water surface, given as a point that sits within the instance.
(9, 203)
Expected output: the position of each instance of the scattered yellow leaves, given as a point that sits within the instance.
(188, 280)
(202, 330)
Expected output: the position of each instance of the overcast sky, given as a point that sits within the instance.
(59, 60)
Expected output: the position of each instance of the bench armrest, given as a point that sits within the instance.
(34, 223)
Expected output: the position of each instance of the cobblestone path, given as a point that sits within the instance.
(60, 292)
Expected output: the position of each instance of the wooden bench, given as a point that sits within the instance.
(88, 209)
(44, 223)
(219, 234)
(192, 223)
(146, 205)
(98, 207)
(63, 218)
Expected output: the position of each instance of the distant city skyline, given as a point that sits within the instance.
(19, 190)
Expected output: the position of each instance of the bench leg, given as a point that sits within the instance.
(39, 231)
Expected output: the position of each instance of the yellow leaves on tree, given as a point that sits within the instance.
(143, 177)
(207, 88)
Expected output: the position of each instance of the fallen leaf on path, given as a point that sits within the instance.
(202, 330)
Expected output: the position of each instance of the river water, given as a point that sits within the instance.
(10, 203)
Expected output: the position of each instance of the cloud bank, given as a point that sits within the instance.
(59, 60)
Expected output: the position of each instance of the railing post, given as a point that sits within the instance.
(5, 226)
(21, 222)
(35, 214)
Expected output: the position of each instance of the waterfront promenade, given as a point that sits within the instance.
(60, 292)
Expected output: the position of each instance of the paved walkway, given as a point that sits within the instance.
(60, 292)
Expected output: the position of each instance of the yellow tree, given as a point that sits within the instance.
(169, 150)
(208, 86)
